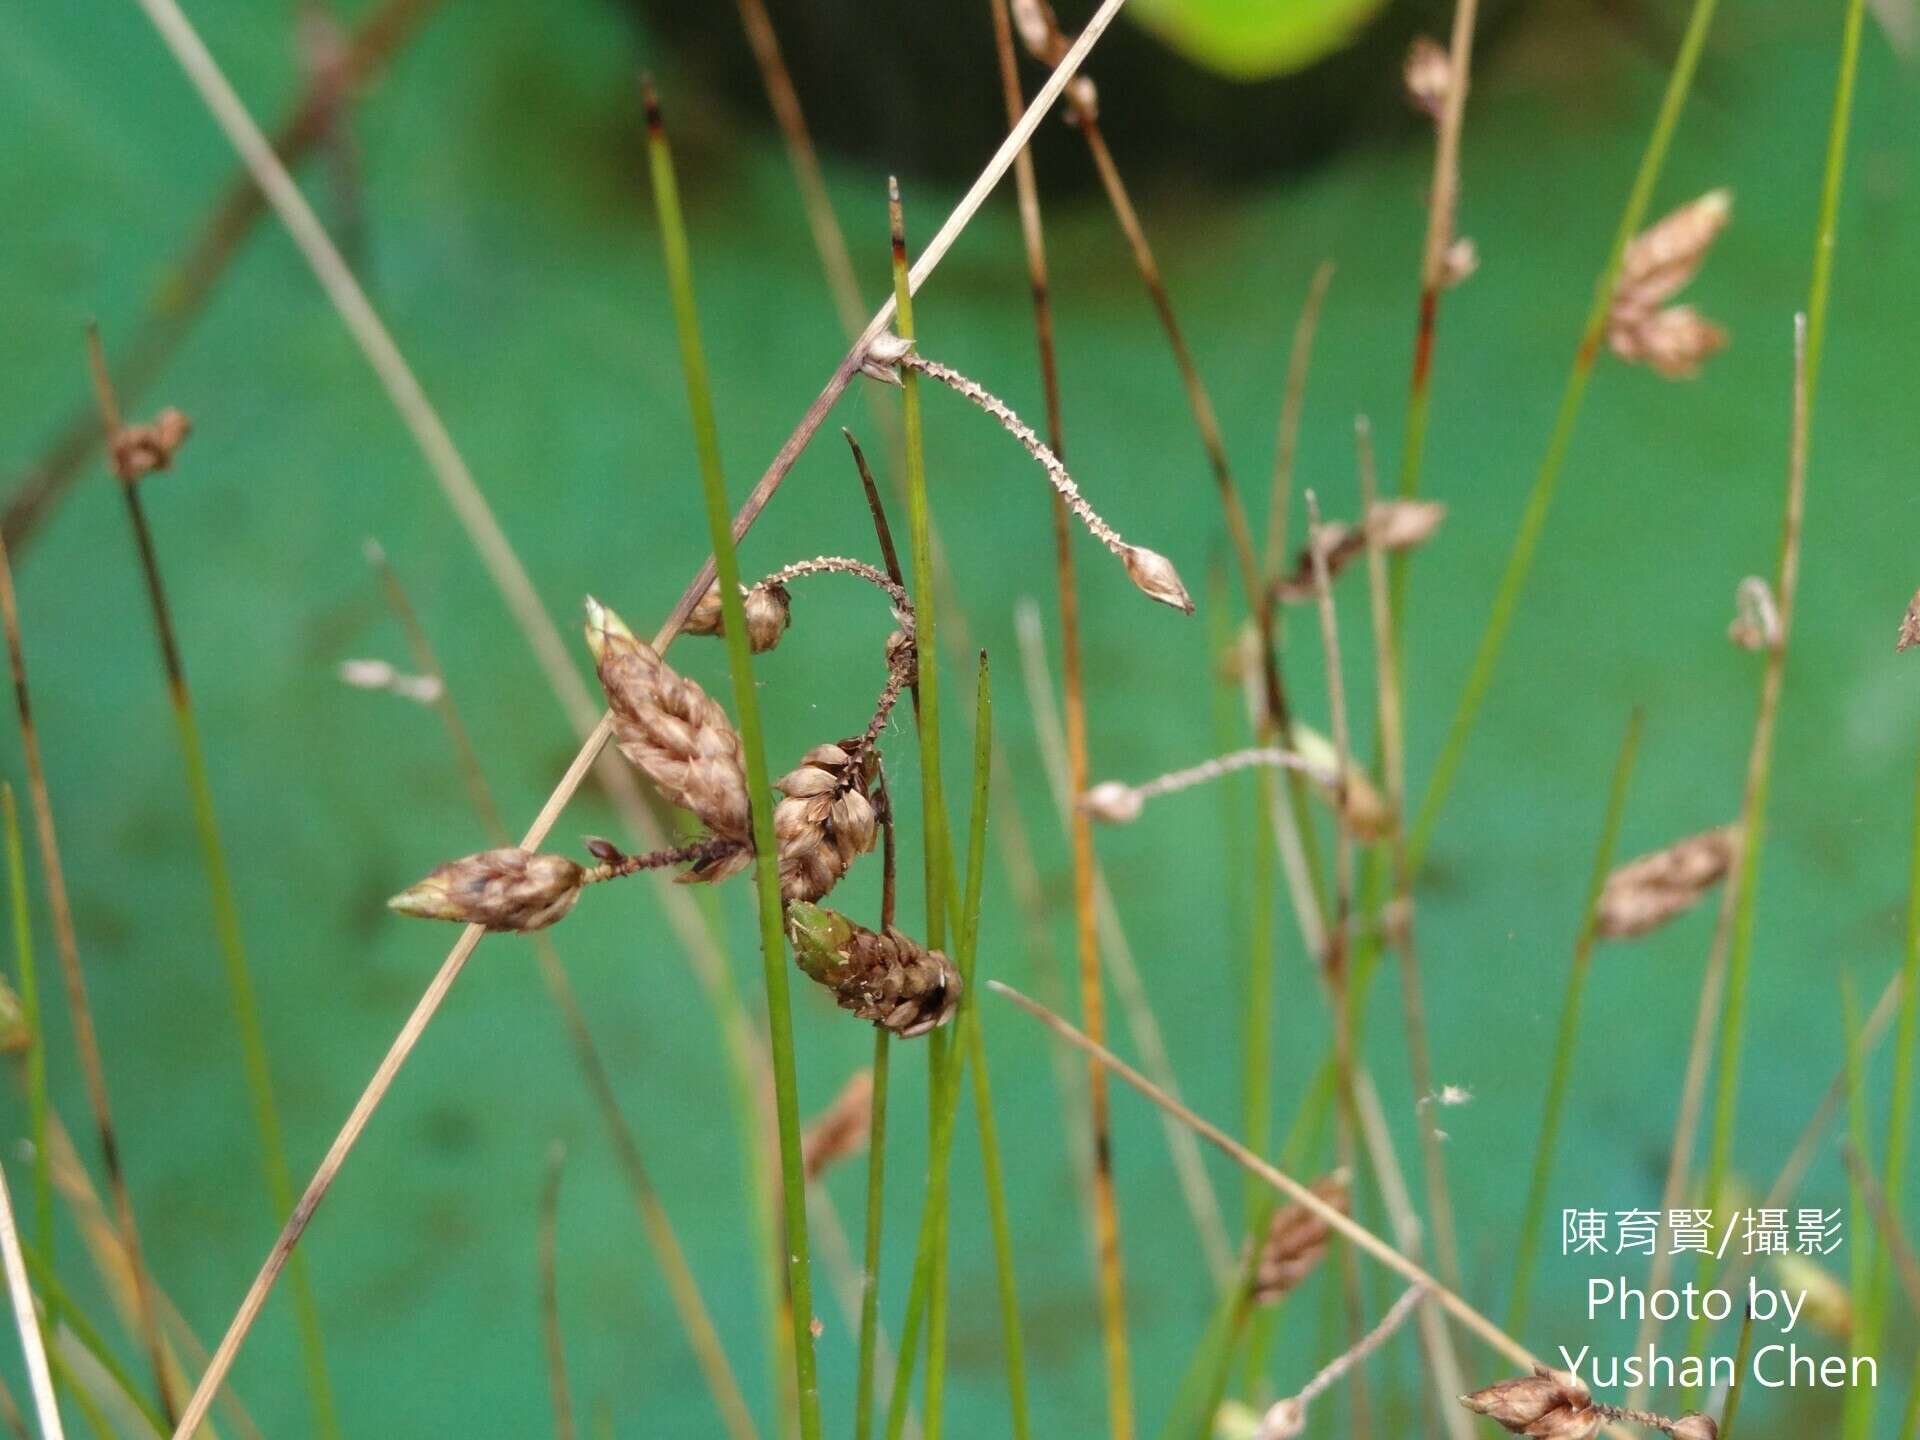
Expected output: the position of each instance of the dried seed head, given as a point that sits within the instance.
(889, 979)
(1428, 75)
(1694, 1427)
(1458, 262)
(825, 822)
(139, 450)
(1296, 1239)
(1357, 801)
(1286, 1420)
(768, 607)
(1672, 342)
(504, 889)
(883, 357)
(674, 732)
(841, 1129)
(1548, 1404)
(1909, 626)
(903, 657)
(1039, 31)
(1393, 524)
(1657, 266)
(1756, 617)
(1643, 894)
(1113, 802)
(1156, 577)
(1828, 1304)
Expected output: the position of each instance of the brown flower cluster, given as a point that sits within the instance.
(1393, 525)
(889, 979)
(1644, 894)
(769, 608)
(138, 450)
(1642, 327)
(504, 889)
(1296, 1240)
(826, 820)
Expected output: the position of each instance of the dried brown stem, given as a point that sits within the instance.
(1905, 1263)
(1286, 445)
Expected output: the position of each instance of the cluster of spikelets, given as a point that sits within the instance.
(1553, 1405)
(682, 740)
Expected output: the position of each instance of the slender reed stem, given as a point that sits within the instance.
(221, 100)
(86, 1041)
(53, 1297)
(255, 1066)
(36, 1056)
(747, 710)
(1533, 518)
(556, 1347)
(27, 1318)
(1286, 445)
(1568, 1038)
(1857, 1413)
(1893, 1241)
(1742, 1358)
(877, 1121)
(684, 1290)
(1900, 1095)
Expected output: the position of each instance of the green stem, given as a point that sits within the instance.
(1857, 1416)
(1742, 1359)
(1533, 519)
(870, 1274)
(37, 1108)
(75, 1319)
(1569, 1036)
(747, 709)
(255, 1064)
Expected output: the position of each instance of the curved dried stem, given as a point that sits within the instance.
(840, 565)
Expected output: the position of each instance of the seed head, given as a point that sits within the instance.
(674, 732)
(1909, 626)
(1394, 525)
(1656, 266)
(139, 450)
(903, 657)
(889, 979)
(841, 1129)
(15, 1035)
(1644, 894)
(1156, 577)
(825, 822)
(1458, 262)
(1296, 1240)
(1428, 75)
(768, 607)
(1694, 1427)
(1285, 1420)
(504, 889)
(1113, 802)
(1548, 1404)
(1359, 804)
(1756, 617)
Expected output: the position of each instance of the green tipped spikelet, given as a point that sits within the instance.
(890, 979)
(508, 889)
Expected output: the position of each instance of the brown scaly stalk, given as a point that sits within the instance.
(702, 1338)
(1334, 961)
(1394, 765)
(1106, 1209)
(220, 98)
(85, 1040)
(191, 280)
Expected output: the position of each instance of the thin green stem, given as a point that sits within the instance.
(1742, 1359)
(1857, 1415)
(1533, 519)
(1568, 1039)
(870, 1273)
(1900, 1097)
(1832, 185)
(747, 710)
(37, 1108)
(75, 1319)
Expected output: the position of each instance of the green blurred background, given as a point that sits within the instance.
(511, 247)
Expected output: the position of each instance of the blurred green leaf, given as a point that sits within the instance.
(1255, 39)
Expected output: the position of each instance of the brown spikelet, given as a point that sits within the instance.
(676, 734)
(1657, 265)
(1694, 1427)
(1909, 626)
(841, 1129)
(508, 889)
(1428, 76)
(139, 450)
(769, 608)
(1643, 894)
(889, 979)
(1395, 524)
(826, 821)
(1295, 1241)
(1548, 1404)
